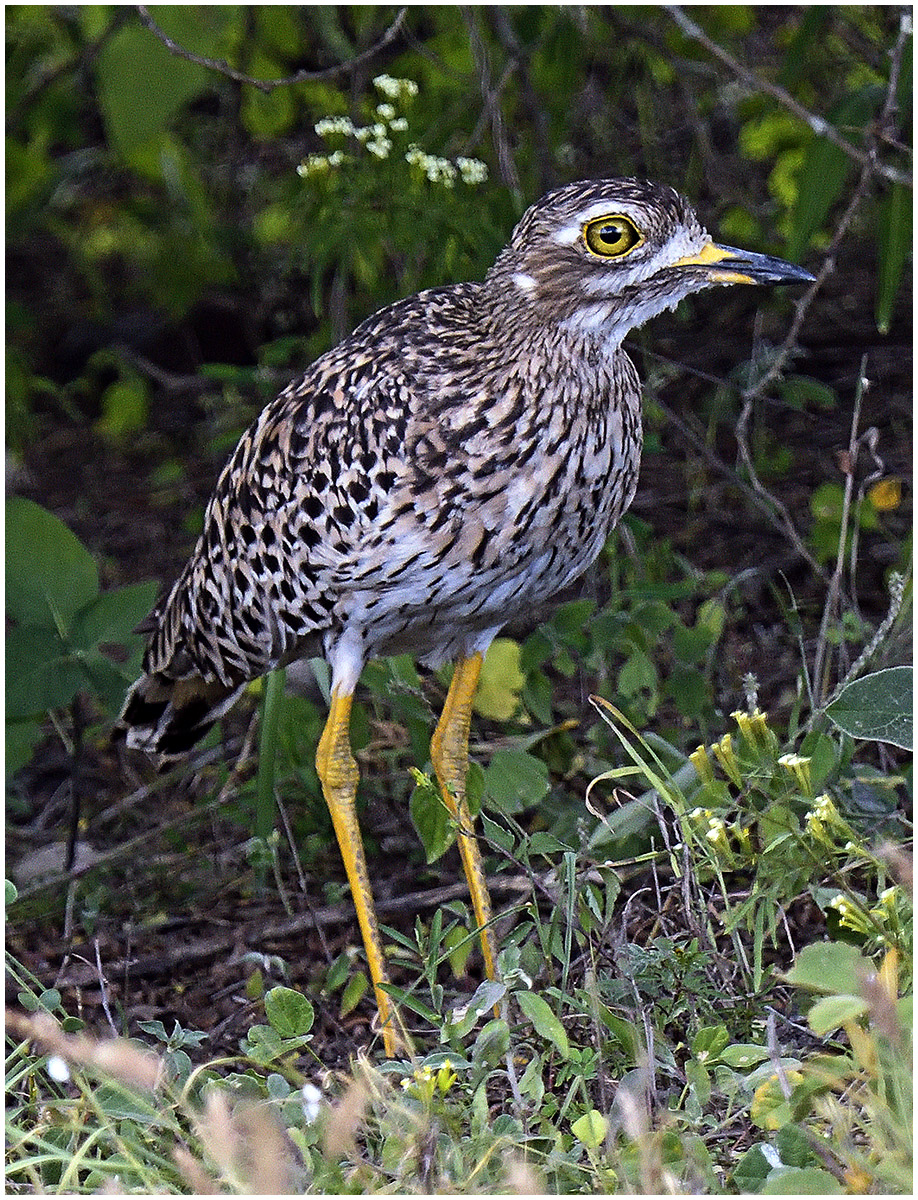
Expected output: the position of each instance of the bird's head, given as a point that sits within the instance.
(603, 256)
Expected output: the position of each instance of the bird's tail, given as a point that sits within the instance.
(167, 716)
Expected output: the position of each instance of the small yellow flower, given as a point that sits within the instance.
(799, 766)
(725, 755)
(702, 764)
(886, 495)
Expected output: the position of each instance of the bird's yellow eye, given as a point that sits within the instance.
(611, 237)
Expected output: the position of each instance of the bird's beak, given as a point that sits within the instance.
(726, 264)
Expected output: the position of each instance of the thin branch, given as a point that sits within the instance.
(765, 503)
(820, 682)
(256, 934)
(492, 113)
(268, 85)
(819, 126)
(789, 345)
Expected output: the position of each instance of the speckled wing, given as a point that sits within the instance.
(416, 488)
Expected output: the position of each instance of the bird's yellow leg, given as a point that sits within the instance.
(449, 753)
(338, 775)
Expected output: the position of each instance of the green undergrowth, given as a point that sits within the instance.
(704, 1054)
(706, 977)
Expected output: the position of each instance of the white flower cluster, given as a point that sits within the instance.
(376, 138)
(472, 170)
(437, 170)
(395, 89)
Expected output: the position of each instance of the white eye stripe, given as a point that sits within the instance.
(570, 233)
(602, 208)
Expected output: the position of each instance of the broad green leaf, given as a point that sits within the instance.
(753, 1169)
(50, 575)
(458, 946)
(825, 169)
(877, 708)
(515, 780)
(289, 1012)
(113, 616)
(709, 1041)
(830, 967)
(40, 673)
(794, 1146)
(544, 1021)
(267, 116)
(492, 1043)
(801, 1181)
(770, 1108)
(19, 743)
(141, 86)
(831, 1012)
(742, 1056)
(590, 1129)
(488, 994)
(108, 680)
(637, 675)
(263, 1044)
(125, 408)
(501, 681)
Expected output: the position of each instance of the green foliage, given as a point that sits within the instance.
(877, 707)
(141, 86)
(65, 635)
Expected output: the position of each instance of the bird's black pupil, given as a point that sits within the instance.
(611, 234)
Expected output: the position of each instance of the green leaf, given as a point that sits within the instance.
(829, 967)
(108, 680)
(752, 1170)
(831, 1012)
(50, 575)
(637, 675)
(544, 1021)
(741, 1056)
(894, 244)
(263, 1044)
(21, 737)
(825, 169)
(289, 1012)
(353, 993)
(141, 85)
(125, 407)
(515, 780)
(877, 708)
(501, 681)
(113, 616)
(801, 1181)
(269, 115)
(430, 817)
(40, 673)
(590, 1129)
(794, 1146)
(709, 1041)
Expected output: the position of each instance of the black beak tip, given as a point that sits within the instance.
(790, 273)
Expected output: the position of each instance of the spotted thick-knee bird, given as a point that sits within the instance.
(456, 460)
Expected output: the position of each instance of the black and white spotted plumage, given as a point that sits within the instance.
(458, 458)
